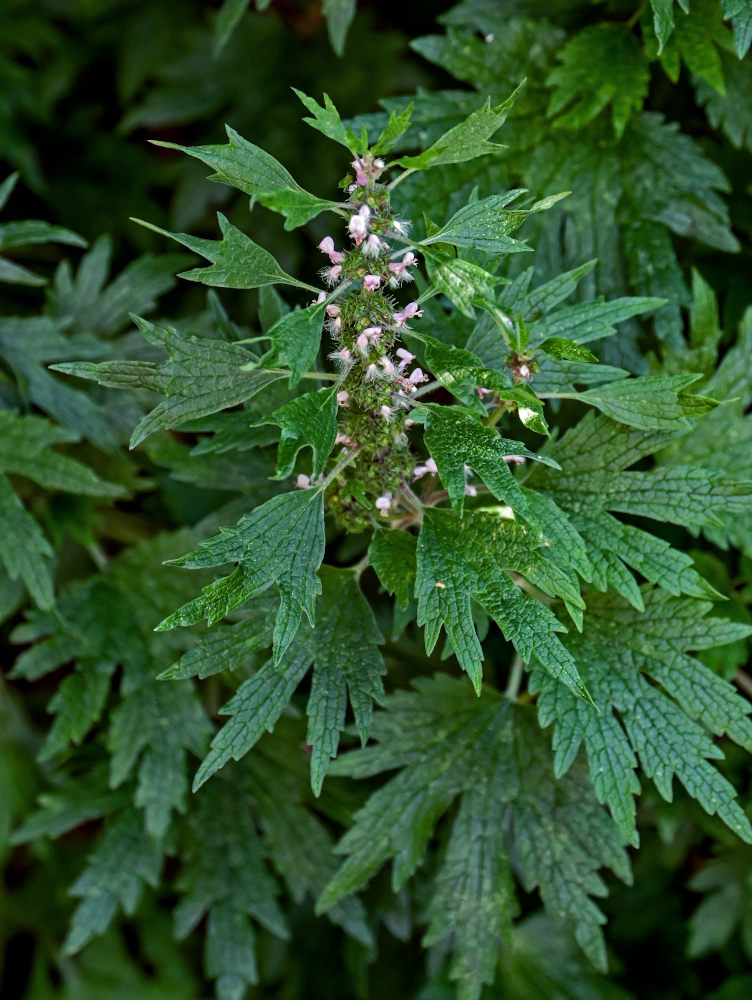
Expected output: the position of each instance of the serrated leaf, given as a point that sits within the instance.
(465, 141)
(486, 224)
(297, 338)
(394, 129)
(650, 401)
(465, 283)
(201, 377)
(392, 555)
(306, 421)
(566, 350)
(327, 120)
(281, 542)
(456, 439)
(26, 450)
(122, 864)
(343, 648)
(463, 372)
(619, 650)
(446, 746)
(602, 64)
(25, 553)
(236, 261)
(346, 658)
(459, 558)
(252, 170)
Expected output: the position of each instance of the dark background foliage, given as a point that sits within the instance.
(84, 84)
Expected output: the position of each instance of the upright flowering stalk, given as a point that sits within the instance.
(376, 378)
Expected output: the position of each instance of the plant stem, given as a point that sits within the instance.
(515, 677)
(340, 466)
(399, 178)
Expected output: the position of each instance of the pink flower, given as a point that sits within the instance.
(332, 275)
(372, 246)
(332, 310)
(321, 297)
(327, 246)
(422, 470)
(342, 357)
(417, 376)
(371, 282)
(409, 422)
(358, 224)
(302, 482)
(399, 267)
(387, 364)
(363, 343)
(514, 459)
(405, 358)
(373, 333)
(342, 397)
(383, 503)
(344, 440)
(470, 490)
(385, 412)
(411, 310)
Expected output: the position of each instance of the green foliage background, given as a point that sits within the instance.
(643, 112)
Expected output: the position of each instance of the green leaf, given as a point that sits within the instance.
(466, 284)
(25, 553)
(731, 110)
(493, 755)
(201, 377)
(694, 41)
(650, 402)
(32, 231)
(663, 18)
(228, 18)
(594, 456)
(470, 557)
(254, 709)
(602, 64)
(465, 141)
(281, 542)
(231, 647)
(77, 705)
(26, 450)
(587, 321)
(343, 647)
(327, 119)
(125, 860)
(486, 224)
(621, 653)
(339, 15)
(456, 439)
(566, 350)
(236, 261)
(251, 169)
(297, 338)
(395, 127)
(152, 728)
(392, 555)
(307, 421)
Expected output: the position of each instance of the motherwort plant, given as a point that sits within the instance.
(425, 472)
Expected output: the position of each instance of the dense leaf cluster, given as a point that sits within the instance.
(247, 563)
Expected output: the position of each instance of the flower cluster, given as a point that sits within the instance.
(377, 375)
